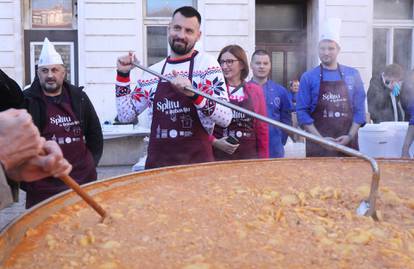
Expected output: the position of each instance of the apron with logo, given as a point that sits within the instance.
(177, 135)
(242, 128)
(332, 116)
(63, 127)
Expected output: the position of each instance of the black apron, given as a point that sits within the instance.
(242, 128)
(177, 135)
(332, 117)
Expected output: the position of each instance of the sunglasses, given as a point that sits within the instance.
(388, 82)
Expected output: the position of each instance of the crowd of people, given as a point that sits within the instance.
(59, 132)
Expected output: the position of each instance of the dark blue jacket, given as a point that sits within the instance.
(279, 108)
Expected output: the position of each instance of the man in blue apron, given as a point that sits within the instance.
(181, 121)
(331, 98)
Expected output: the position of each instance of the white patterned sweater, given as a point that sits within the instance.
(207, 77)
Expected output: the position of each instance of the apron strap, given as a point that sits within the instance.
(190, 69)
(165, 64)
(339, 70)
(238, 88)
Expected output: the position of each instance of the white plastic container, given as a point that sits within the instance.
(384, 140)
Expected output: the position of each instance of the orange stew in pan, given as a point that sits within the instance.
(238, 215)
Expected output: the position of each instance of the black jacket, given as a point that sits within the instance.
(11, 95)
(82, 108)
(379, 102)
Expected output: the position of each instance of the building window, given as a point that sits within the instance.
(392, 34)
(279, 17)
(156, 43)
(281, 31)
(52, 14)
(393, 9)
(156, 18)
(165, 8)
(56, 20)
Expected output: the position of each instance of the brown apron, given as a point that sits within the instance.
(63, 127)
(242, 128)
(332, 116)
(177, 135)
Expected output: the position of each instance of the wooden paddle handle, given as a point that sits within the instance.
(68, 180)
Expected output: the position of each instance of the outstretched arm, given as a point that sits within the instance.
(345, 139)
(213, 83)
(409, 138)
(128, 104)
(19, 138)
(51, 163)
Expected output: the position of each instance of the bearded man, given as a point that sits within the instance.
(181, 121)
(63, 113)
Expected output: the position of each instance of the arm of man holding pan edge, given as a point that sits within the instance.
(409, 137)
(24, 155)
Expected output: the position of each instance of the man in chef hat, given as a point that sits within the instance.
(331, 98)
(63, 113)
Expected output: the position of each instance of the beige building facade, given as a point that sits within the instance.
(92, 33)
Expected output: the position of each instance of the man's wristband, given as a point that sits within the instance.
(194, 97)
(122, 74)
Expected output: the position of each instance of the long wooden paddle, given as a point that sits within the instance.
(68, 180)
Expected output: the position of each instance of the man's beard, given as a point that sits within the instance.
(180, 49)
(327, 60)
(51, 88)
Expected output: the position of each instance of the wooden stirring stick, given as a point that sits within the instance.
(68, 180)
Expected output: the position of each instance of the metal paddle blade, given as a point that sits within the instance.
(363, 208)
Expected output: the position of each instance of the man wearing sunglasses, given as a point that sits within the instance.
(384, 98)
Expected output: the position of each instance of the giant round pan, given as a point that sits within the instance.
(293, 213)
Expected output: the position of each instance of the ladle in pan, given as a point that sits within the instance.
(70, 182)
(84, 195)
(366, 207)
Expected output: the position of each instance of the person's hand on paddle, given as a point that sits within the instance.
(329, 138)
(20, 140)
(24, 154)
(49, 163)
(343, 140)
(225, 146)
(180, 83)
(124, 64)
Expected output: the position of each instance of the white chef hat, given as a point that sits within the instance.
(49, 55)
(331, 30)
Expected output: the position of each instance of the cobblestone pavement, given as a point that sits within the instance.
(16, 209)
